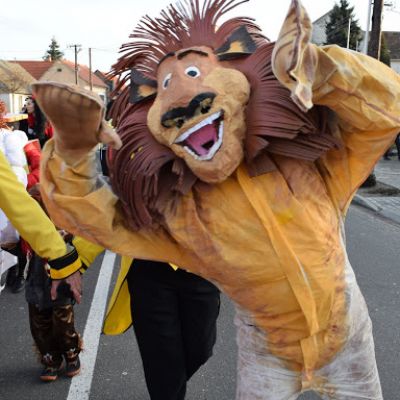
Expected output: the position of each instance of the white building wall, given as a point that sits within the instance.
(100, 91)
(318, 32)
(18, 102)
(13, 101)
(395, 64)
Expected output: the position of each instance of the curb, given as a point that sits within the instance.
(362, 201)
(389, 214)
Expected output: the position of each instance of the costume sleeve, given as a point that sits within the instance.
(363, 94)
(79, 200)
(26, 215)
(87, 251)
(33, 224)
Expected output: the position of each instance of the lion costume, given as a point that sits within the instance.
(238, 162)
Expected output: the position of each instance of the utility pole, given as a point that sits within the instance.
(374, 48)
(348, 34)
(366, 39)
(90, 69)
(77, 48)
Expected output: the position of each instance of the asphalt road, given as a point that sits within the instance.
(373, 246)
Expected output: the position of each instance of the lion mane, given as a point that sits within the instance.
(147, 176)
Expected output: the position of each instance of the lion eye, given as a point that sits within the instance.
(192, 71)
(166, 81)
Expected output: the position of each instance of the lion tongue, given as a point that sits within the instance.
(202, 140)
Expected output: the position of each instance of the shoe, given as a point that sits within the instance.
(11, 275)
(51, 369)
(73, 367)
(49, 374)
(19, 284)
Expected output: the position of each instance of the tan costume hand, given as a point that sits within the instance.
(77, 116)
(299, 65)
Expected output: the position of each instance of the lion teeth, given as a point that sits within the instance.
(215, 147)
(207, 121)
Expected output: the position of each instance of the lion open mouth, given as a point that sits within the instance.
(203, 140)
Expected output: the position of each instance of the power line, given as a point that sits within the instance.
(341, 27)
(108, 50)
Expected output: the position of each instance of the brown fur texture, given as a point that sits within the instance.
(147, 176)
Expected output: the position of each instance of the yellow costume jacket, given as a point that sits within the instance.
(273, 243)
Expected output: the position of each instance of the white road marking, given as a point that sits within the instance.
(80, 385)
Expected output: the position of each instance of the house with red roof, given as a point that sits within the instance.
(64, 71)
(15, 85)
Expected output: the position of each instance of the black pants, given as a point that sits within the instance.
(174, 316)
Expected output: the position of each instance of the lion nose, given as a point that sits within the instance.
(200, 104)
(176, 117)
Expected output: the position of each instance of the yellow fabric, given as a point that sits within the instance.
(27, 216)
(66, 271)
(87, 251)
(273, 242)
(118, 317)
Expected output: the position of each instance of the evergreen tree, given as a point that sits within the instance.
(385, 52)
(336, 29)
(53, 53)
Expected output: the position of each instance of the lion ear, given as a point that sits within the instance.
(238, 44)
(142, 88)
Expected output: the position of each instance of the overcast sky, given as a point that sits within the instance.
(27, 26)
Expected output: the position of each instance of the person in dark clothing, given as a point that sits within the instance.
(174, 317)
(51, 323)
(36, 126)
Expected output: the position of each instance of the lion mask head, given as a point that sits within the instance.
(197, 99)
